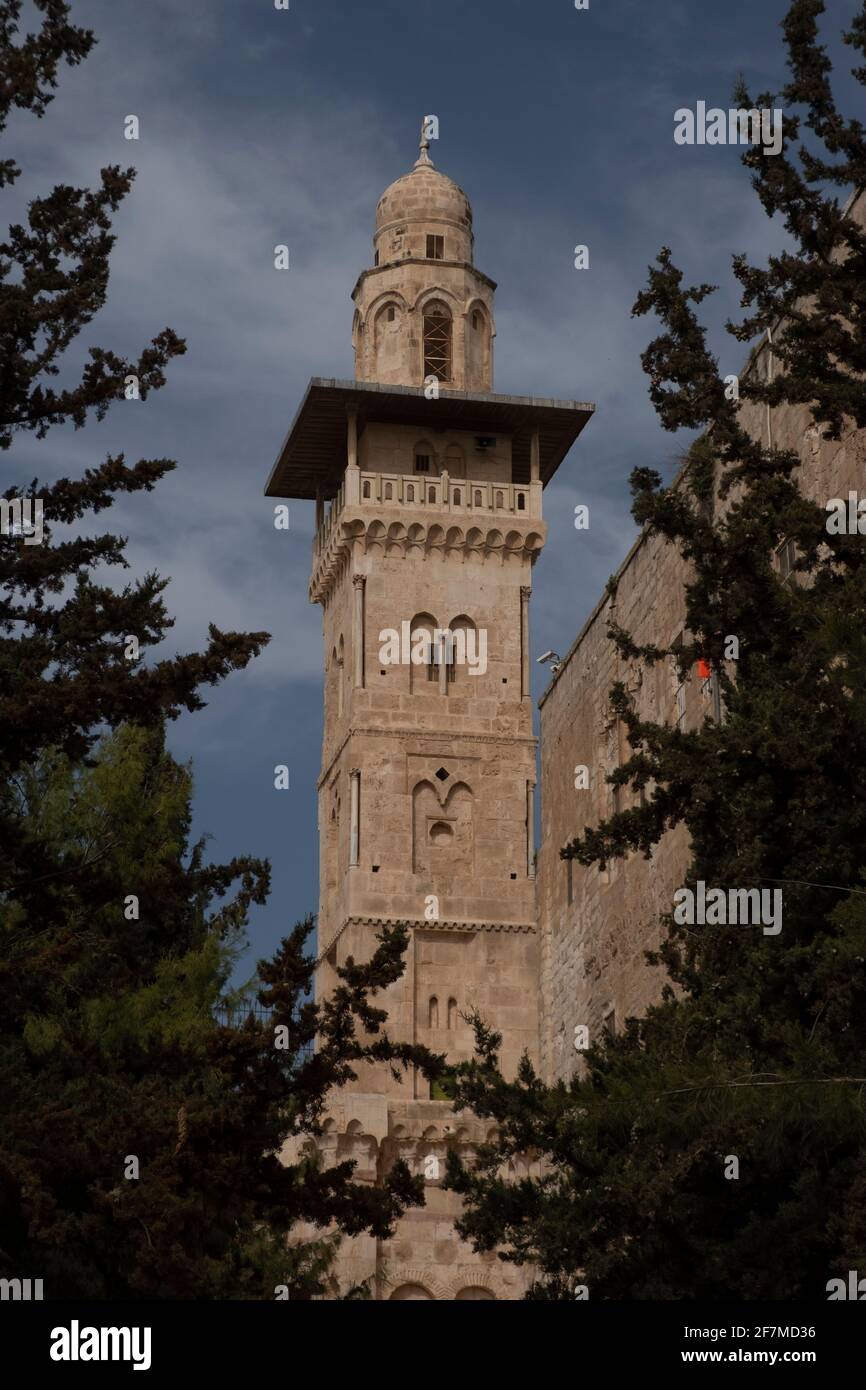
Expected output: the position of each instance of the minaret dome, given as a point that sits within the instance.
(422, 310)
(420, 204)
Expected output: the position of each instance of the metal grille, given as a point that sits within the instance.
(437, 343)
(235, 1016)
(228, 1016)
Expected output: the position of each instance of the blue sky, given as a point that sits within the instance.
(260, 127)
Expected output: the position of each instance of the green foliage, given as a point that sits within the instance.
(111, 1046)
(757, 1048)
(444, 1089)
(109, 1039)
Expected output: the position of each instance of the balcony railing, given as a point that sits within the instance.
(334, 509)
(460, 496)
(444, 493)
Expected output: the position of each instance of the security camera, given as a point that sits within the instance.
(547, 656)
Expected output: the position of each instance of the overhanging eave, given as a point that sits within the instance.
(313, 456)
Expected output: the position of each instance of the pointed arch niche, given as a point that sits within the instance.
(442, 830)
(389, 339)
(477, 347)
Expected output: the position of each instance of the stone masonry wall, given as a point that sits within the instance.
(594, 934)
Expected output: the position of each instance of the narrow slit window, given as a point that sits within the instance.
(786, 555)
(679, 684)
(681, 707)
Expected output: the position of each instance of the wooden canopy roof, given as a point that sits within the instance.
(313, 455)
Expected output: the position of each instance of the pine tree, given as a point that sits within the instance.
(143, 1124)
(116, 937)
(757, 1050)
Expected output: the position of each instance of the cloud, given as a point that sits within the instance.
(261, 127)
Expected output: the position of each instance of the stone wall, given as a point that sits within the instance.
(425, 1259)
(595, 931)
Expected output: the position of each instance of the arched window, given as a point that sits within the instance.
(477, 502)
(389, 492)
(457, 497)
(521, 502)
(500, 500)
(366, 490)
(410, 493)
(420, 672)
(452, 1013)
(455, 461)
(437, 341)
(464, 650)
(433, 1012)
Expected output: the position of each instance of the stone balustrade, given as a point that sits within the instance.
(433, 492)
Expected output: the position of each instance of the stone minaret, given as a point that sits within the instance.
(428, 496)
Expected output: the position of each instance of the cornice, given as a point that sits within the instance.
(528, 740)
(435, 531)
(377, 270)
(421, 924)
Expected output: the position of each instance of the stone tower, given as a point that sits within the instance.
(428, 493)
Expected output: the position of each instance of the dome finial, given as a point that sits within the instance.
(424, 157)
